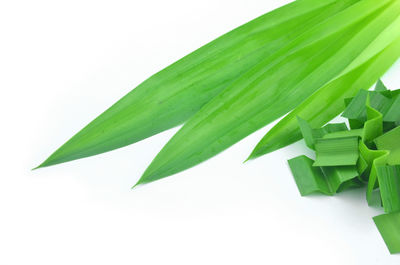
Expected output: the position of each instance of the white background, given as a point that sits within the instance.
(61, 64)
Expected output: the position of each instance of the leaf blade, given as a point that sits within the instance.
(237, 112)
(287, 131)
(170, 97)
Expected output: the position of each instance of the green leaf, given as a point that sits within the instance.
(342, 177)
(356, 109)
(326, 180)
(327, 102)
(173, 95)
(311, 135)
(269, 90)
(344, 134)
(362, 166)
(309, 179)
(388, 226)
(390, 141)
(374, 159)
(373, 127)
(337, 151)
(389, 187)
(393, 113)
(380, 86)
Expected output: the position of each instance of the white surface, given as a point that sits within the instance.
(62, 63)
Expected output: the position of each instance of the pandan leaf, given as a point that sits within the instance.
(389, 187)
(362, 166)
(393, 113)
(344, 134)
(356, 109)
(309, 179)
(390, 141)
(173, 95)
(380, 86)
(269, 90)
(337, 151)
(373, 127)
(326, 180)
(311, 135)
(375, 158)
(327, 102)
(388, 226)
(342, 177)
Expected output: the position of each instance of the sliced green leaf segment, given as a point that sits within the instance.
(344, 134)
(325, 180)
(356, 109)
(380, 86)
(337, 152)
(390, 141)
(389, 186)
(342, 177)
(373, 127)
(374, 158)
(393, 113)
(389, 228)
(362, 166)
(309, 179)
(311, 135)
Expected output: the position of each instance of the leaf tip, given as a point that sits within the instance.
(134, 186)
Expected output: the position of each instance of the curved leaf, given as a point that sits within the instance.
(173, 95)
(328, 102)
(269, 90)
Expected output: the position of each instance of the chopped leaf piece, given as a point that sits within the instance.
(342, 177)
(393, 114)
(389, 186)
(374, 158)
(390, 141)
(373, 127)
(380, 86)
(342, 134)
(311, 135)
(337, 152)
(362, 166)
(326, 180)
(309, 179)
(379, 101)
(389, 228)
(356, 109)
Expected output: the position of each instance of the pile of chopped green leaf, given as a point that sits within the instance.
(367, 154)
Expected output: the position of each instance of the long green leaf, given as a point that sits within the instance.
(173, 95)
(269, 90)
(327, 103)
